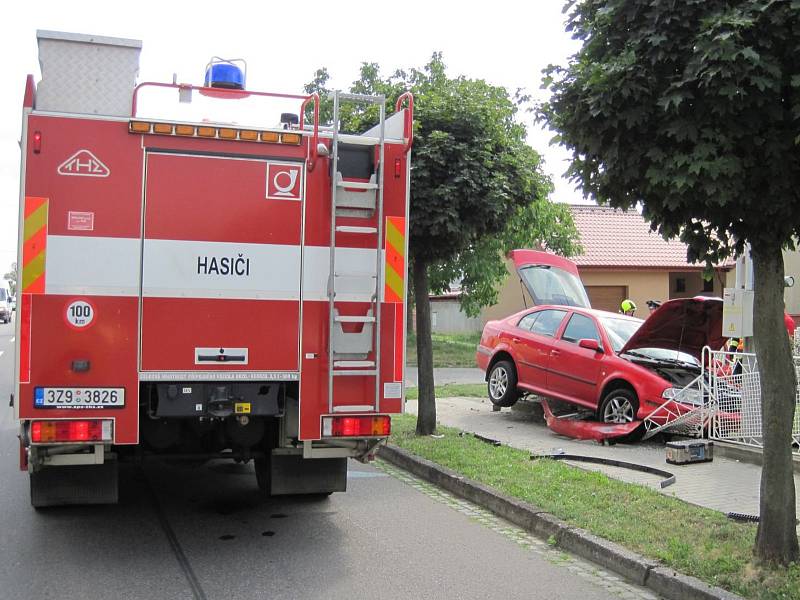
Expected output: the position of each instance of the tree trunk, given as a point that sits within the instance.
(426, 412)
(776, 540)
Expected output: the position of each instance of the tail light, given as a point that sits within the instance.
(361, 426)
(87, 430)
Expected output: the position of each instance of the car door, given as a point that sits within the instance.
(574, 372)
(521, 343)
(536, 345)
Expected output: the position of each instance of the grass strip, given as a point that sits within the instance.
(693, 540)
(452, 390)
(449, 349)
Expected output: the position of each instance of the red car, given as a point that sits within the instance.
(622, 367)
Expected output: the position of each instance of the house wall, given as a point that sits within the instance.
(695, 284)
(791, 296)
(447, 317)
(509, 298)
(642, 285)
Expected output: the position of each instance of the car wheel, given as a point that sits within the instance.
(503, 384)
(619, 406)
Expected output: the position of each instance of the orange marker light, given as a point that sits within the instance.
(270, 136)
(165, 128)
(139, 127)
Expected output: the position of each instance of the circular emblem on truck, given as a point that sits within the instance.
(79, 314)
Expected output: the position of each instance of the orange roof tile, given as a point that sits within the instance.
(614, 238)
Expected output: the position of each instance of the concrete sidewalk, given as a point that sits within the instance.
(447, 375)
(726, 485)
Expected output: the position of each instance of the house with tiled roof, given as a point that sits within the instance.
(622, 259)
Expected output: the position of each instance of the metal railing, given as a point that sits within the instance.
(733, 405)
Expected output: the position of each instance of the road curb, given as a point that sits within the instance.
(745, 454)
(638, 569)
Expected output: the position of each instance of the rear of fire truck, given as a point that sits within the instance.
(202, 288)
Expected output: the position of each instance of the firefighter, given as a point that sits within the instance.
(735, 345)
(790, 325)
(627, 307)
(653, 305)
(733, 366)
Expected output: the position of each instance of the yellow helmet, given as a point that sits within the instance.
(627, 305)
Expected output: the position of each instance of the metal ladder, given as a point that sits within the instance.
(348, 353)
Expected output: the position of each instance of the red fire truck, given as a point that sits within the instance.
(193, 288)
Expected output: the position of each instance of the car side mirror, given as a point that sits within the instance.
(590, 344)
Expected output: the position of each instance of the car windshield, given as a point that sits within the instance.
(619, 331)
(551, 285)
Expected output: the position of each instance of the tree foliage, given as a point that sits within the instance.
(477, 190)
(692, 108)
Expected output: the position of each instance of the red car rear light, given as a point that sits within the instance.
(86, 430)
(361, 426)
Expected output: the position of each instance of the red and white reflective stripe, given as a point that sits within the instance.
(100, 266)
(106, 266)
(174, 269)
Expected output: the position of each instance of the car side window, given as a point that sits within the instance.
(580, 327)
(548, 322)
(527, 321)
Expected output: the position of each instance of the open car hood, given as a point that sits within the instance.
(549, 279)
(683, 324)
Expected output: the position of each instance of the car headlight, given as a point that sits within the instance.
(668, 394)
(692, 396)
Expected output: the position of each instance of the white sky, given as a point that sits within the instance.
(506, 43)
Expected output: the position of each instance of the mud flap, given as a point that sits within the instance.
(293, 474)
(75, 484)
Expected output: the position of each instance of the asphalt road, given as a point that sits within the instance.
(205, 533)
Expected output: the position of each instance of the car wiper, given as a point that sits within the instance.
(639, 355)
(678, 361)
(671, 361)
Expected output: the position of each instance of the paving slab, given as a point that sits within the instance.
(726, 485)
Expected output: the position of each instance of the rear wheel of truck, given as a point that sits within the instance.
(264, 474)
(75, 485)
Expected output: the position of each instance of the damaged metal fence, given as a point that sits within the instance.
(732, 399)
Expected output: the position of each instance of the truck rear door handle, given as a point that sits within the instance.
(554, 352)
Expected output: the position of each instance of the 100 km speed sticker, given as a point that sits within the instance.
(80, 314)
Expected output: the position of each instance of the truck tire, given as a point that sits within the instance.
(263, 468)
(75, 485)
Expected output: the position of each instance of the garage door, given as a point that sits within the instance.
(606, 297)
